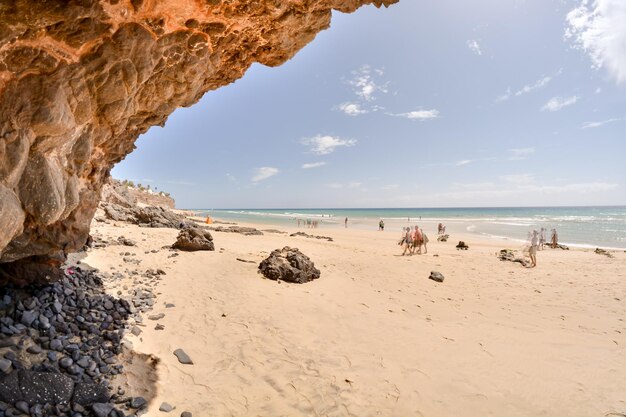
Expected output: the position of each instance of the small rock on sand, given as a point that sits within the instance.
(436, 276)
(183, 357)
(165, 407)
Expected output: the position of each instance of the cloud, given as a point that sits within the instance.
(557, 103)
(542, 82)
(323, 145)
(390, 187)
(519, 154)
(598, 29)
(463, 162)
(338, 186)
(530, 87)
(474, 47)
(590, 125)
(420, 115)
(519, 179)
(364, 83)
(231, 177)
(313, 165)
(352, 109)
(264, 173)
(354, 184)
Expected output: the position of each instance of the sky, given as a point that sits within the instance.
(442, 103)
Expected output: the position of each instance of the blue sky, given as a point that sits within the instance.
(424, 104)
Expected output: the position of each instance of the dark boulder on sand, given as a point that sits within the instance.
(462, 245)
(436, 276)
(194, 239)
(289, 264)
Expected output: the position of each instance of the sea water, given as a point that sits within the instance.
(576, 226)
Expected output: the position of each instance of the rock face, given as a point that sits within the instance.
(81, 80)
(289, 265)
(193, 239)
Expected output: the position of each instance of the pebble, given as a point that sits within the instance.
(186, 414)
(165, 407)
(5, 365)
(23, 407)
(159, 327)
(34, 349)
(102, 409)
(65, 362)
(156, 316)
(183, 357)
(137, 402)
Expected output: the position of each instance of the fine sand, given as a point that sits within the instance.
(374, 336)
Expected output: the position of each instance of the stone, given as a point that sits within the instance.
(183, 357)
(135, 330)
(5, 365)
(34, 349)
(89, 393)
(28, 317)
(443, 238)
(156, 316)
(289, 264)
(137, 402)
(69, 115)
(436, 276)
(186, 414)
(36, 387)
(57, 307)
(65, 362)
(462, 245)
(194, 239)
(23, 407)
(165, 407)
(56, 344)
(102, 409)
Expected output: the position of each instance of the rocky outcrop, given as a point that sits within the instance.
(144, 216)
(243, 230)
(289, 264)
(81, 80)
(194, 239)
(125, 195)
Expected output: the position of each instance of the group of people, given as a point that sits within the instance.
(441, 229)
(537, 241)
(412, 240)
(308, 223)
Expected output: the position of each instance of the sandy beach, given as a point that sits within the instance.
(374, 336)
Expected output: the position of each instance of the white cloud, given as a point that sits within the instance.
(542, 82)
(335, 185)
(557, 103)
(599, 29)
(390, 187)
(323, 145)
(264, 173)
(338, 186)
(420, 114)
(231, 177)
(519, 179)
(463, 162)
(313, 165)
(364, 83)
(354, 184)
(474, 46)
(589, 125)
(530, 87)
(352, 109)
(519, 154)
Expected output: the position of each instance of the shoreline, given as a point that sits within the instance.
(373, 335)
(397, 224)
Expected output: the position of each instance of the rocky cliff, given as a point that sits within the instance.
(80, 80)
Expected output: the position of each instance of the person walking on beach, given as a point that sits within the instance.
(554, 239)
(406, 241)
(424, 241)
(542, 238)
(534, 242)
(381, 225)
(417, 240)
(346, 222)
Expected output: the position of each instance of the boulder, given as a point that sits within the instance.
(194, 239)
(462, 245)
(436, 276)
(443, 238)
(289, 264)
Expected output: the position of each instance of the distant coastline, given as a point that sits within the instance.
(583, 226)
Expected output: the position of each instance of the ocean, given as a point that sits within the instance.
(577, 226)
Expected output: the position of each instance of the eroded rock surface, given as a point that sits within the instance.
(194, 239)
(81, 80)
(289, 264)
